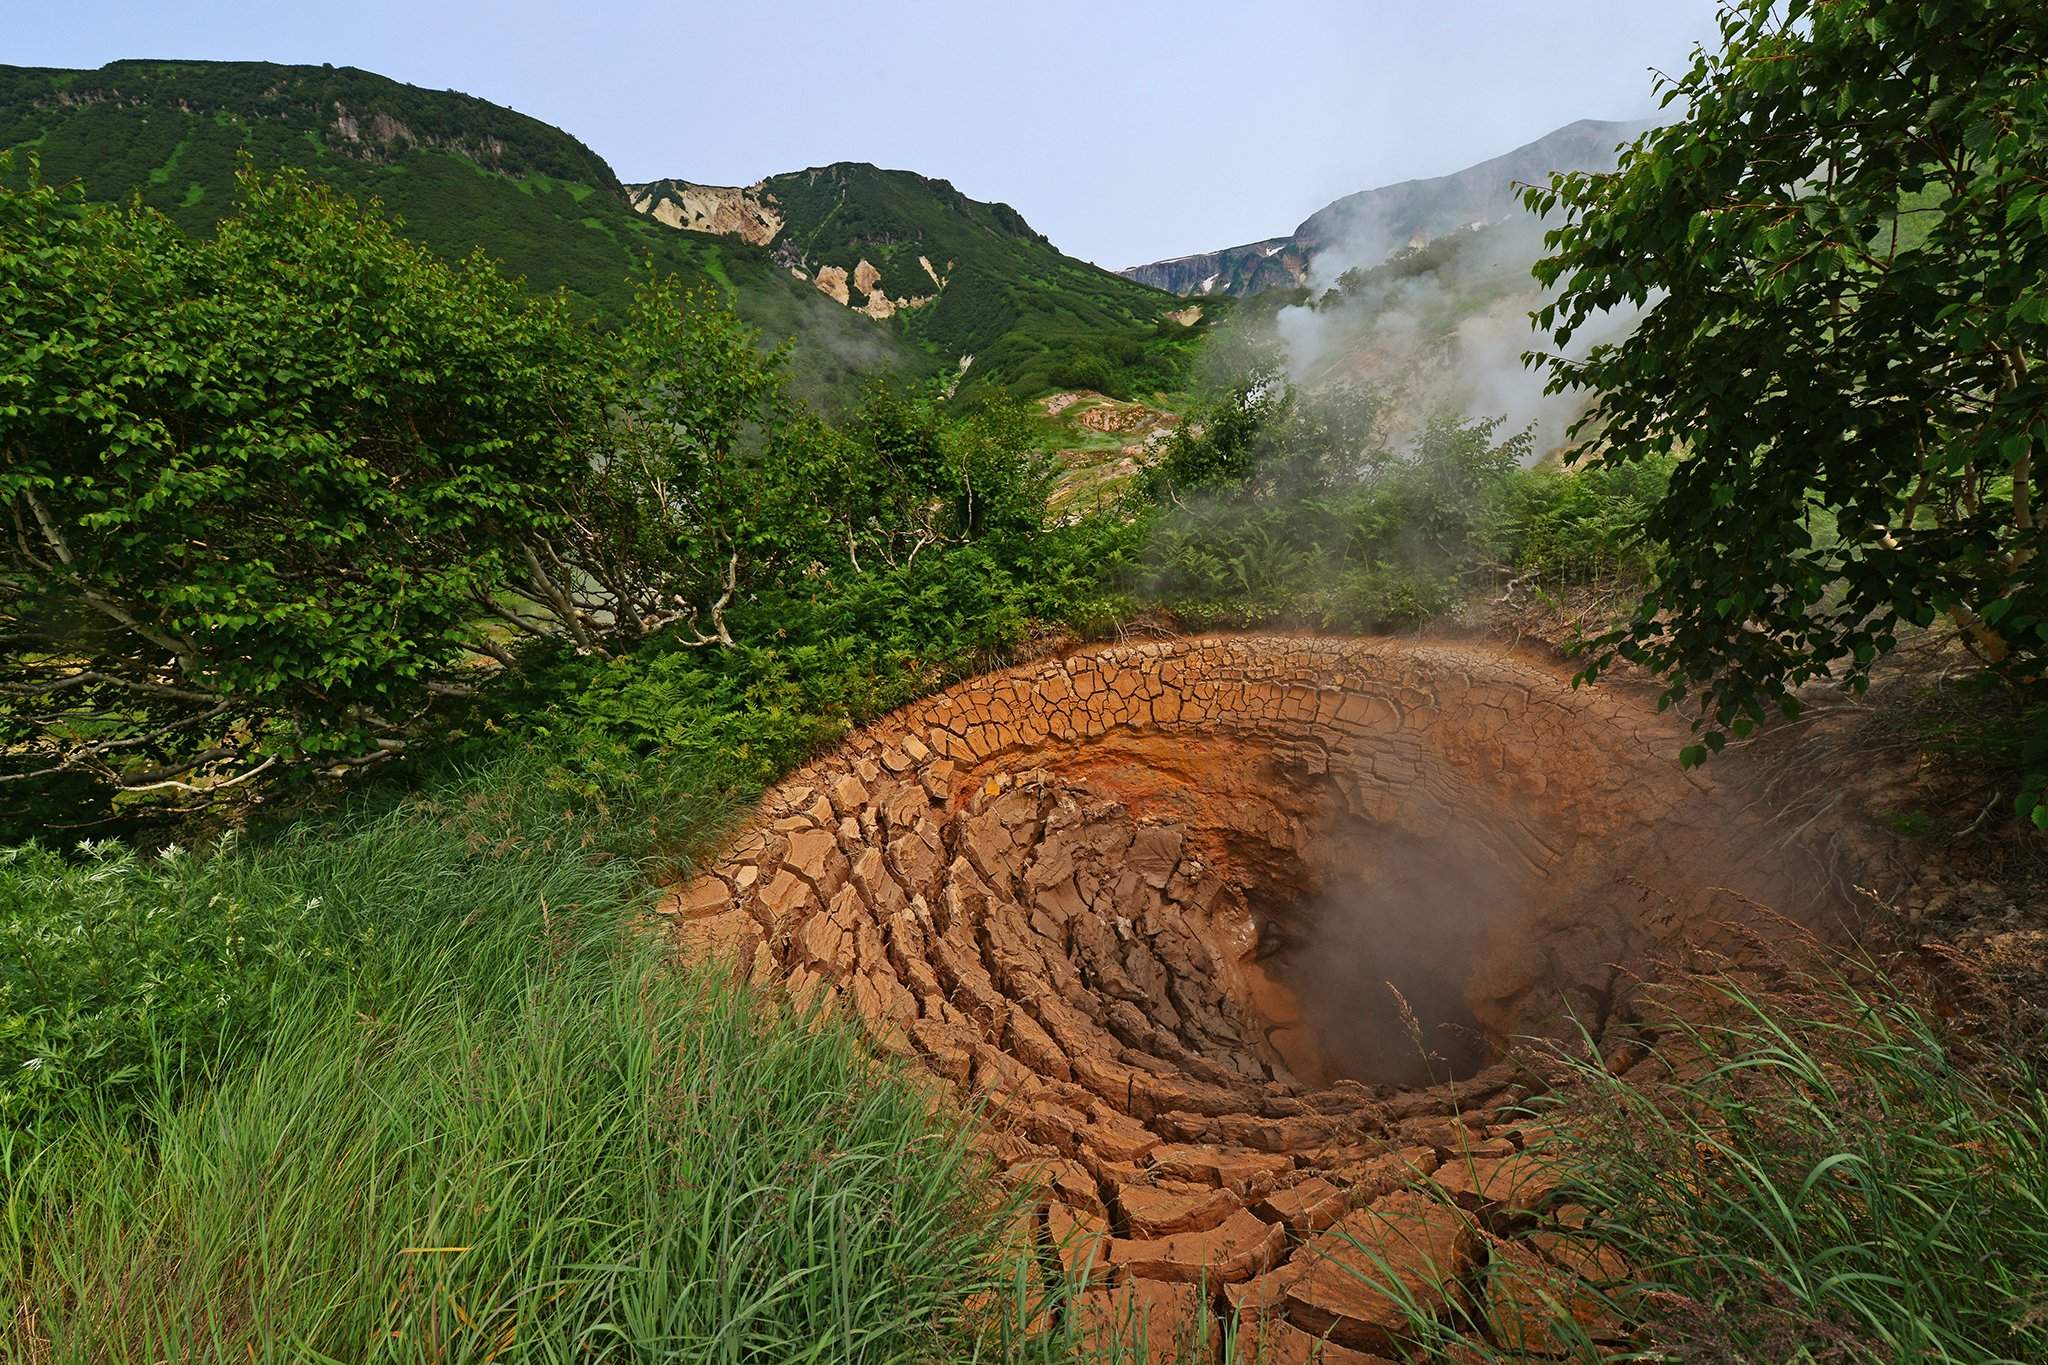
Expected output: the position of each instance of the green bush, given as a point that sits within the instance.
(1835, 248)
(1286, 509)
(261, 482)
(1583, 525)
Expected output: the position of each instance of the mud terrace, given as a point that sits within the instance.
(1230, 935)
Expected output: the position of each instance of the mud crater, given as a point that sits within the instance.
(1233, 934)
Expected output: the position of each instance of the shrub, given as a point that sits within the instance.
(1278, 507)
(1836, 244)
(1584, 525)
(257, 482)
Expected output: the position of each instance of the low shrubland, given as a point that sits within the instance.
(1279, 507)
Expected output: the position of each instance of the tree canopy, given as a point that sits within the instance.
(1838, 250)
(254, 482)
(271, 493)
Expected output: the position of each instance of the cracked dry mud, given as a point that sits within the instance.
(1153, 904)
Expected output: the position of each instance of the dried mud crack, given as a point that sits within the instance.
(1232, 935)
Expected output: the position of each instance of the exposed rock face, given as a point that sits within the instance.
(1106, 893)
(879, 305)
(866, 278)
(383, 136)
(832, 281)
(1116, 417)
(747, 214)
(1089, 475)
(1238, 270)
(750, 214)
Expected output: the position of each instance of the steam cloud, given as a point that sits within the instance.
(1385, 951)
(1451, 338)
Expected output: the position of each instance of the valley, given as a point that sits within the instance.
(618, 767)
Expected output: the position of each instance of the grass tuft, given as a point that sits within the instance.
(1813, 1172)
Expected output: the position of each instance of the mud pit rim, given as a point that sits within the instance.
(876, 877)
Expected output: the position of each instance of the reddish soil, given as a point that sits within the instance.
(1231, 936)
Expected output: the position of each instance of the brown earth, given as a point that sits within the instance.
(1231, 936)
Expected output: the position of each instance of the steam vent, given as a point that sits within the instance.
(1229, 935)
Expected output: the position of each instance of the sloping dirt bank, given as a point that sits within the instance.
(1234, 933)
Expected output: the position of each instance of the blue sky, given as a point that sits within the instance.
(1124, 131)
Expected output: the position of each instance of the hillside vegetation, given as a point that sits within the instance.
(462, 174)
(969, 282)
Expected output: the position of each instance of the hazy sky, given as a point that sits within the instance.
(1124, 131)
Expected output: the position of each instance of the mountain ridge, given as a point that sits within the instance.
(462, 173)
(948, 285)
(1378, 221)
(968, 281)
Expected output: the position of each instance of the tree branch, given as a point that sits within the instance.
(54, 537)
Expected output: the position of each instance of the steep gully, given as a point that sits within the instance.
(1232, 934)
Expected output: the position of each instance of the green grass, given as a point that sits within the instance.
(1867, 1191)
(472, 1044)
(1821, 1172)
(124, 977)
(162, 174)
(246, 1090)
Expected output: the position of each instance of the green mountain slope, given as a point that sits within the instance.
(461, 172)
(955, 276)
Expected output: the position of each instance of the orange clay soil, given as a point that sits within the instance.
(1230, 935)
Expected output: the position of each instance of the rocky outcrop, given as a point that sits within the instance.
(1089, 891)
(1238, 270)
(1089, 475)
(879, 305)
(382, 136)
(866, 278)
(746, 214)
(750, 214)
(831, 282)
